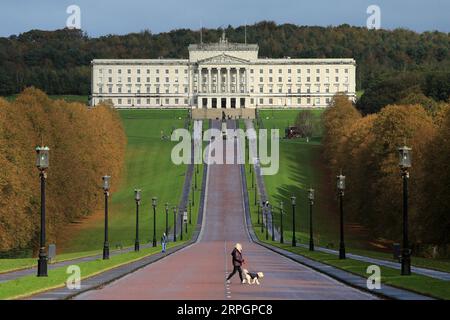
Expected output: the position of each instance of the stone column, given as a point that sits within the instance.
(209, 81)
(199, 82)
(228, 79)
(219, 81)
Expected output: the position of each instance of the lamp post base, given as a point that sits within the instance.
(136, 246)
(106, 251)
(406, 263)
(294, 242)
(341, 251)
(42, 264)
(311, 245)
(154, 242)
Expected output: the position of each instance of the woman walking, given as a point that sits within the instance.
(237, 262)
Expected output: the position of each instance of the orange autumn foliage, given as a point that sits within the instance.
(85, 144)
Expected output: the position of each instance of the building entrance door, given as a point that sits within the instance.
(242, 104)
(204, 102)
(214, 103)
(223, 103)
(233, 103)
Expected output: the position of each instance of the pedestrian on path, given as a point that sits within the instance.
(237, 262)
(164, 242)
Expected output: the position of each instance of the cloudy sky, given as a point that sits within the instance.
(102, 17)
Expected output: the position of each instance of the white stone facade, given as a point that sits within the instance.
(221, 75)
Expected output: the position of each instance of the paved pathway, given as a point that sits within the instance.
(198, 271)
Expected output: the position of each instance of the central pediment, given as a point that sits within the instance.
(223, 59)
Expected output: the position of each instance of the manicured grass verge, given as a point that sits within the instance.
(66, 97)
(7, 265)
(29, 285)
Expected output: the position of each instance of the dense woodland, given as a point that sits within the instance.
(85, 144)
(58, 62)
(365, 148)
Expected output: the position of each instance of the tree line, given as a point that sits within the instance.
(85, 144)
(365, 149)
(58, 62)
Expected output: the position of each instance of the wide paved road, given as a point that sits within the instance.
(198, 271)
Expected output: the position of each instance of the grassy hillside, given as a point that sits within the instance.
(148, 167)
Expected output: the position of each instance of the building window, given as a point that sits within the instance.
(336, 70)
(109, 71)
(109, 79)
(299, 100)
(308, 70)
(148, 71)
(261, 100)
(251, 71)
(289, 71)
(119, 89)
(261, 71)
(109, 90)
(129, 79)
(100, 90)
(167, 101)
(176, 71)
(148, 101)
(270, 101)
(119, 101)
(139, 71)
(119, 71)
(270, 70)
(129, 101)
(280, 79)
(337, 79)
(167, 79)
(176, 100)
(280, 71)
(138, 101)
(317, 79)
(129, 71)
(157, 79)
(157, 100)
(100, 71)
(148, 79)
(308, 79)
(261, 79)
(138, 79)
(148, 89)
(261, 89)
(157, 71)
(346, 70)
(317, 70)
(299, 71)
(167, 71)
(327, 70)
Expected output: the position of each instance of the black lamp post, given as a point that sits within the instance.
(294, 242)
(154, 202)
(181, 226)
(174, 224)
(273, 224)
(261, 204)
(281, 222)
(137, 198)
(253, 178)
(42, 163)
(311, 202)
(266, 207)
(405, 164)
(106, 187)
(167, 219)
(256, 202)
(341, 187)
(190, 212)
(195, 180)
(185, 220)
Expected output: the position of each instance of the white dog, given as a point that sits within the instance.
(252, 278)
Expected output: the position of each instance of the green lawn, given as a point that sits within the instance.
(148, 167)
(67, 97)
(28, 285)
(300, 168)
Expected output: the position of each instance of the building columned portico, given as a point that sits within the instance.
(221, 75)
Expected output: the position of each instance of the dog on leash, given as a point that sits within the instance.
(251, 277)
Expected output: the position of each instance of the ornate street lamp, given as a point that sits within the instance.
(281, 222)
(294, 242)
(405, 164)
(185, 221)
(154, 203)
(261, 204)
(106, 187)
(137, 198)
(181, 225)
(174, 224)
(266, 211)
(167, 219)
(340, 184)
(190, 212)
(311, 202)
(42, 163)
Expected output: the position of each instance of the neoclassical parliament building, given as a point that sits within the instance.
(221, 75)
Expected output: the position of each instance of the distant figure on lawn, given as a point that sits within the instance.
(164, 242)
(237, 262)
